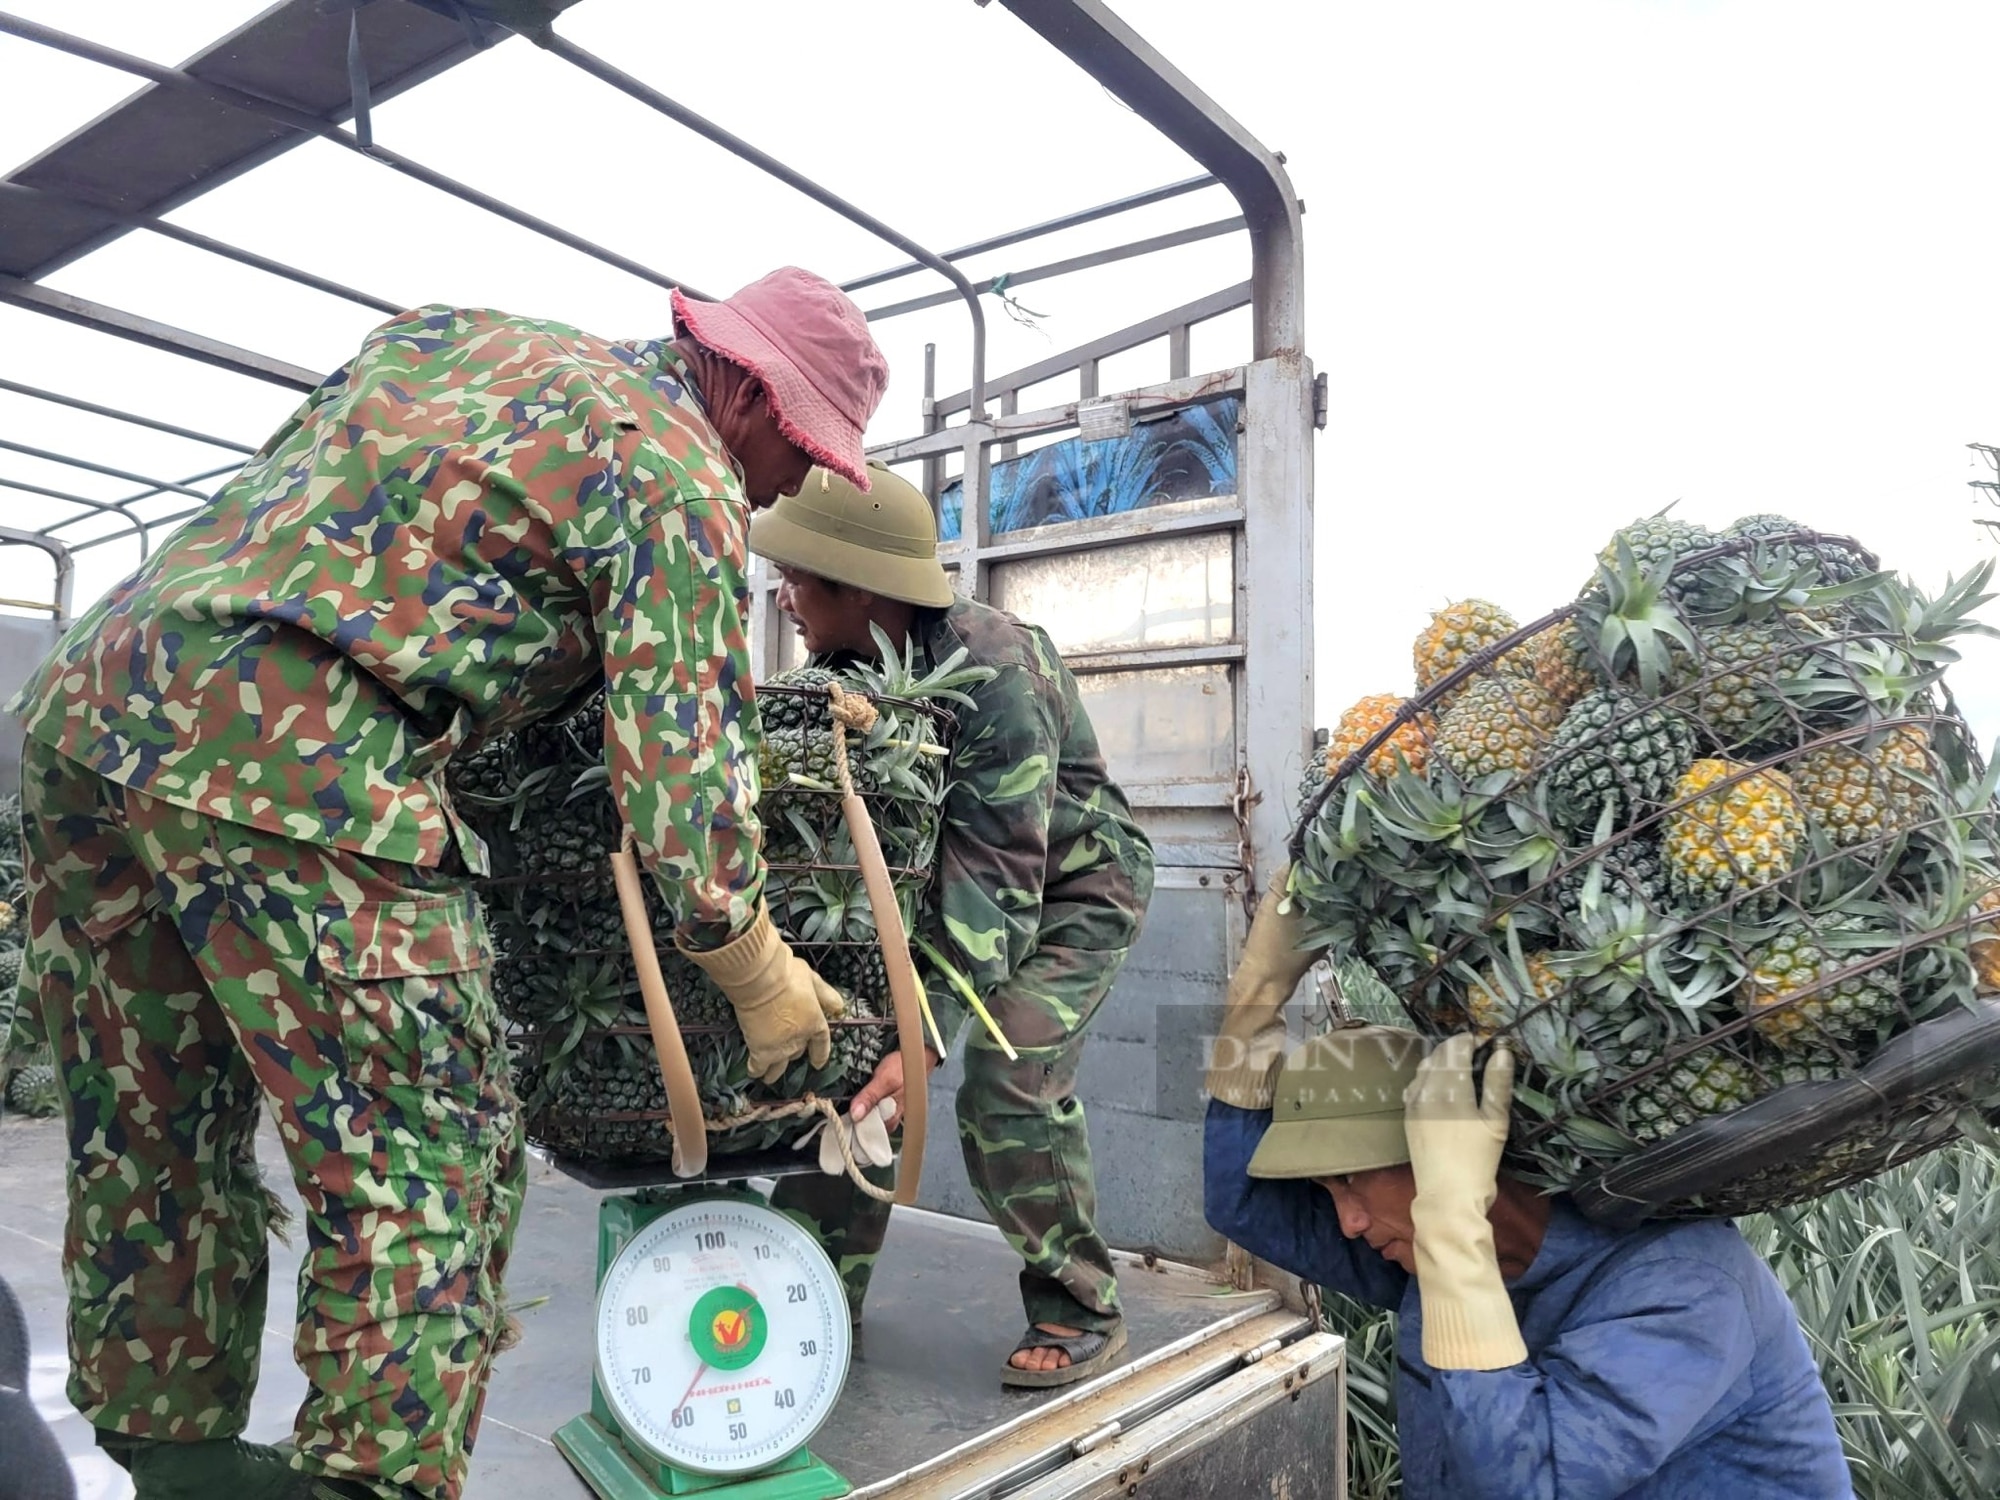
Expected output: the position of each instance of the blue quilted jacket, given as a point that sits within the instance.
(1664, 1363)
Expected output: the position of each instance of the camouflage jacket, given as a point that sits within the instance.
(473, 525)
(1039, 847)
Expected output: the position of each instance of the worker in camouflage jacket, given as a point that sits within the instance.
(1043, 880)
(247, 887)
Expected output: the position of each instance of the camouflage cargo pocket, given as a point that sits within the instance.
(408, 981)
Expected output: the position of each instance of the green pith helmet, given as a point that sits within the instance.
(1337, 1104)
(884, 541)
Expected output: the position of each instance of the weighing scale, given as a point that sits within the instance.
(722, 1338)
(722, 1343)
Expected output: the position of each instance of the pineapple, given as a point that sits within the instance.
(1735, 684)
(1986, 940)
(1410, 743)
(32, 1091)
(1631, 870)
(1691, 1088)
(1730, 838)
(1497, 1002)
(1805, 1065)
(1612, 750)
(1497, 724)
(1854, 1005)
(1457, 633)
(1834, 561)
(778, 712)
(1562, 662)
(1862, 794)
(1657, 541)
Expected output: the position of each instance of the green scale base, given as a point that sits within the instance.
(593, 1444)
(614, 1473)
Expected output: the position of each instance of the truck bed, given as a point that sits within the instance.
(942, 1315)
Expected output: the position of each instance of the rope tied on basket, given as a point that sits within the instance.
(809, 1104)
(850, 711)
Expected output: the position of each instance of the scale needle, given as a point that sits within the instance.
(699, 1371)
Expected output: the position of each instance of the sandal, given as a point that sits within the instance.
(1089, 1352)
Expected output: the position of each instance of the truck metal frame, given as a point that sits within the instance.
(1205, 726)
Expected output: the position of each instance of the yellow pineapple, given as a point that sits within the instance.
(1986, 940)
(1491, 1008)
(1561, 663)
(1731, 835)
(1455, 634)
(1498, 724)
(1860, 794)
(1847, 1004)
(1367, 718)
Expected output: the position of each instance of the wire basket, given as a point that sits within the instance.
(585, 1066)
(1713, 848)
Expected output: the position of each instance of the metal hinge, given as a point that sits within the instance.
(1091, 1441)
(1319, 400)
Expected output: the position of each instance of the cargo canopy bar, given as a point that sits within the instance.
(45, 200)
(736, 146)
(304, 124)
(1037, 231)
(123, 416)
(239, 105)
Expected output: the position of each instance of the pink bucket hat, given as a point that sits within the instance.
(809, 344)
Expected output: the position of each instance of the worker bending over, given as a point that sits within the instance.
(1541, 1357)
(1043, 881)
(247, 888)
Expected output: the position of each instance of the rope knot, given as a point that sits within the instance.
(852, 710)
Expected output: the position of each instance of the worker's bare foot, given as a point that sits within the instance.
(1045, 1359)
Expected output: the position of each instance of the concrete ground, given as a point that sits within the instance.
(942, 1315)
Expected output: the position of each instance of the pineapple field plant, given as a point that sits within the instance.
(27, 1064)
(584, 1061)
(1712, 835)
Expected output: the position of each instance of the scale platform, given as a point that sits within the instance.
(942, 1314)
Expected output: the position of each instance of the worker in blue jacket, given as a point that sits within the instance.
(1539, 1355)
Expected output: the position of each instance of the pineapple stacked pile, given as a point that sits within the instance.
(585, 1067)
(27, 1067)
(1714, 829)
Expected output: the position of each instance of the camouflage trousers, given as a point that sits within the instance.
(1027, 1151)
(192, 971)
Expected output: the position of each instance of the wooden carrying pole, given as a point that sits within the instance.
(683, 1099)
(854, 711)
(895, 941)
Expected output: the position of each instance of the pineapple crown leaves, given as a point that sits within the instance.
(1631, 619)
(893, 674)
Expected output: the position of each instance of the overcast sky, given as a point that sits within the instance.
(1567, 262)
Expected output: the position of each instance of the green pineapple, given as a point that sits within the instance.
(1656, 542)
(32, 1091)
(1691, 1088)
(781, 712)
(1832, 560)
(1739, 684)
(1611, 750)
(1630, 870)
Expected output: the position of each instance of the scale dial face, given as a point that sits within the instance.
(722, 1336)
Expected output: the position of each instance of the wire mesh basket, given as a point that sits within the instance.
(584, 1060)
(1712, 847)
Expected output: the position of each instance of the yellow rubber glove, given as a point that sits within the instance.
(1455, 1143)
(1251, 1042)
(781, 1004)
